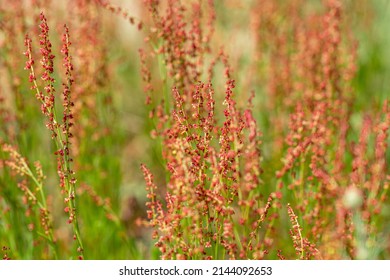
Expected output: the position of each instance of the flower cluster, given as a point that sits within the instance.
(60, 131)
(210, 202)
(34, 198)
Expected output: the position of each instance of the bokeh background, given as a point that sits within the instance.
(113, 133)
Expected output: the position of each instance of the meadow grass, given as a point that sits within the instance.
(194, 129)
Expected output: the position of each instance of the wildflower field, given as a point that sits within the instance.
(199, 129)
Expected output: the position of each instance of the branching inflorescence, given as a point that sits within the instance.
(298, 170)
(60, 129)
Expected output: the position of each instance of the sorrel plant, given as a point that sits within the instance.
(261, 129)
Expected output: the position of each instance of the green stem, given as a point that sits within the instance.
(60, 144)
